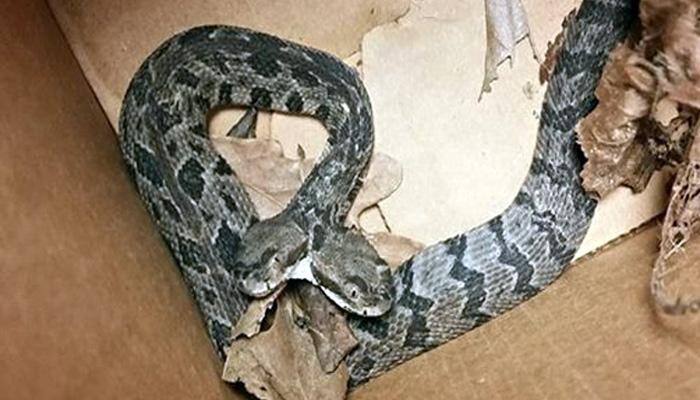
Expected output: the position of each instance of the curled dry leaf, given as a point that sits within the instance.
(677, 253)
(506, 25)
(251, 321)
(281, 363)
(672, 27)
(394, 249)
(609, 135)
(326, 324)
(270, 178)
(550, 57)
(382, 179)
(648, 101)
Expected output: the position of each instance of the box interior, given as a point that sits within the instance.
(95, 308)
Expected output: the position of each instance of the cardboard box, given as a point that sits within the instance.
(91, 305)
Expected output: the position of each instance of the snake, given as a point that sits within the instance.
(227, 255)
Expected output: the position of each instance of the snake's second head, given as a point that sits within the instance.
(266, 254)
(350, 272)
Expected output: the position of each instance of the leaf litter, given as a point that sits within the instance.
(647, 120)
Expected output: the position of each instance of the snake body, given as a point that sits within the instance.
(453, 286)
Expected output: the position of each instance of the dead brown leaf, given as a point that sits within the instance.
(250, 322)
(617, 154)
(648, 101)
(394, 249)
(383, 178)
(326, 324)
(270, 178)
(281, 363)
(682, 222)
(550, 57)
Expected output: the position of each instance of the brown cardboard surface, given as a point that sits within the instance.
(591, 335)
(111, 38)
(91, 305)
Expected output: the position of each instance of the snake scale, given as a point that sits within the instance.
(205, 215)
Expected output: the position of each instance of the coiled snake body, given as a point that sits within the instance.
(203, 212)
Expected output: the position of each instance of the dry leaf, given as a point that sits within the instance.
(326, 324)
(270, 178)
(648, 101)
(222, 120)
(383, 178)
(681, 223)
(394, 249)
(250, 322)
(671, 25)
(550, 57)
(281, 363)
(506, 25)
(609, 135)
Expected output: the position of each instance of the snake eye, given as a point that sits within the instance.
(352, 290)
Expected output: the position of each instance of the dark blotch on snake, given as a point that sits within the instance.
(510, 255)
(147, 165)
(418, 331)
(218, 62)
(225, 93)
(377, 328)
(294, 103)
(209, 296)
(264, 64)
(304, 77)
(319, 237)
(322, 113)
(261, 97)
(221, 334)
(474, 281)
(190, 253)
(170, 208)
(456, 246)
(190, 179)
(229, 202)
(185, 77)
(225, 245)
(222, 168)
(171, 148)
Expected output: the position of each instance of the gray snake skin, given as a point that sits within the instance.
(205, 215)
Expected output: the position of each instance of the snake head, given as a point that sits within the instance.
(266, 254)
(352, 274)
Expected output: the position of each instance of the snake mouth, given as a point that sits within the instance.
(261, 286)
(304, 270)
(276, 267)
(377, 309)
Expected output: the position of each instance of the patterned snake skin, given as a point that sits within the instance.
(204, 213)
